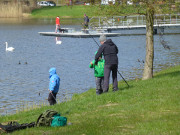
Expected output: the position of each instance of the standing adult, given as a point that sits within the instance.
(86, 21)
(54, 82)
(57, 24)
(110, 51)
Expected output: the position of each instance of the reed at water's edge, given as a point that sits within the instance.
(10, 10)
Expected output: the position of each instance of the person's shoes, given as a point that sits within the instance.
(99, 92)
(105, 91)
(115, 90)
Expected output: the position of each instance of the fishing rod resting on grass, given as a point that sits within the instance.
(117, 70)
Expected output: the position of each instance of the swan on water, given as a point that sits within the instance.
(9, 48)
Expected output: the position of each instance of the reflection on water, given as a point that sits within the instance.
(58, 40)
(24, 72)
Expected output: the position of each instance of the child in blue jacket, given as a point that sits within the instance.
(54, 83)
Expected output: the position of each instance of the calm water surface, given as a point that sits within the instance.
(24, 72)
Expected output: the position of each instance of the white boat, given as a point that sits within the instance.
(84, 33)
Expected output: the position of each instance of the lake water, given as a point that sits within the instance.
(24, 72)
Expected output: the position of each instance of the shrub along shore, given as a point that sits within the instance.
(147, 107)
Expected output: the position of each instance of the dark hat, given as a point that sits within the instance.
(102, 38)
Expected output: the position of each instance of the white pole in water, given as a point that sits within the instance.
(99, 22)
(170, 18)
(137, 20)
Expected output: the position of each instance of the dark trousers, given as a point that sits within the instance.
(107, 71)
(52, 98)
(99, 85)
(85, 25)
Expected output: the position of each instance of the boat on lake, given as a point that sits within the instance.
(84, 33)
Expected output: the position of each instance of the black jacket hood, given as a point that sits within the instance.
(110, 51)
(109, 42)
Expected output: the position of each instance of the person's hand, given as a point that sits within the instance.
(91, 63)
(50, 91)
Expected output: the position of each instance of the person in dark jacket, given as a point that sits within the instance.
(86, 21)
(110, 51)
(54, 82)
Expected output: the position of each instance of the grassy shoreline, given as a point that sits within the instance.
(147, 107)
(62, 11)
(77, 11)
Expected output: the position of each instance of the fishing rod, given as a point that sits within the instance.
(117, 70)
(53, 96)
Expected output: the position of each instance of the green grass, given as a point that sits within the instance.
(63, 11)
(77, 11)
(150, 107)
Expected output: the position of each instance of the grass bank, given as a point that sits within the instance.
(77, 11)
(147, 107)
(62, 11)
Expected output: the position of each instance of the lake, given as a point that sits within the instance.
(24, 77)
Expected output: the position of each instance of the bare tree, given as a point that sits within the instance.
(151, 9)
(148, 67)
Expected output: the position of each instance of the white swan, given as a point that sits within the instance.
(9, 48)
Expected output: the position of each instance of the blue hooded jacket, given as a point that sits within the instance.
(54, 81)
